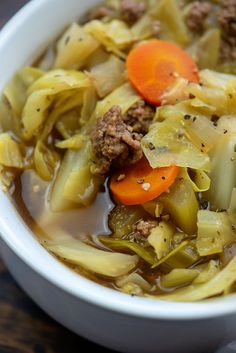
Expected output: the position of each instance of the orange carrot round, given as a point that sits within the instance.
(139, 183)
(154, 66)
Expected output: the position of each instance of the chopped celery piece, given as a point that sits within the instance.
(185, 257)
(146, 254)
(123, 218)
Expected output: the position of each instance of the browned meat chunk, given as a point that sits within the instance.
(228, 49)
(114, 143)
(99, 12)
(198, 12)
(131, 10)
(144, 227)
(227, 17)
(139, 117)
(227, 21)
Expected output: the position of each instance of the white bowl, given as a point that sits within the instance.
(112, 319)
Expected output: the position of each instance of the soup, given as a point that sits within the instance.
(118, 147)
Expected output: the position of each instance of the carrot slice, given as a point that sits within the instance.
(153, 67)
(140, 183)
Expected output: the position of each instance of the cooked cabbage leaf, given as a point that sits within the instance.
(172, 22)
(173, 147)
(10, 153)
(74, 48)
(124, 96)
(16, 90)
(213, 287)
(199, 179)
(45, 161)
(223, 158)
(74, 182)
(74, 142)
(160, 238)
(107, 76)
(178, 277)
(114, 35)
(133, 284)
(208, 49)
(43, 92)
(181, 203)
(214, 232)
(208, 271)
(106, 263)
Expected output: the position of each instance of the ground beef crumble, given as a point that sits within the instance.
(114, 143)
(197, 13)
(131, 10)
(227, 21)
(227, 17)
(139, 117)
(144, 227)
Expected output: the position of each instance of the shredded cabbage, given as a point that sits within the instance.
(10, 153)
(214, 232)
(114, 35)
(160, 238)
(213, 287)
(43, 92)
(107, 76)
(173, 147)
(74, 48)
(106, 263)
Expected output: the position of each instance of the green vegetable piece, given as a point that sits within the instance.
(123, 218)
(172, 22)
(145, 254)
(10, 154)
(178, 277)
(173, 252)
(214, 232)
(208, 49)
(161, 237)
(185, 257)
(45, 161)
(182, 204)
(173, 146)
(106, 263)
(215, 286)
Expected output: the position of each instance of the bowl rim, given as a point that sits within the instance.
(32, 253)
